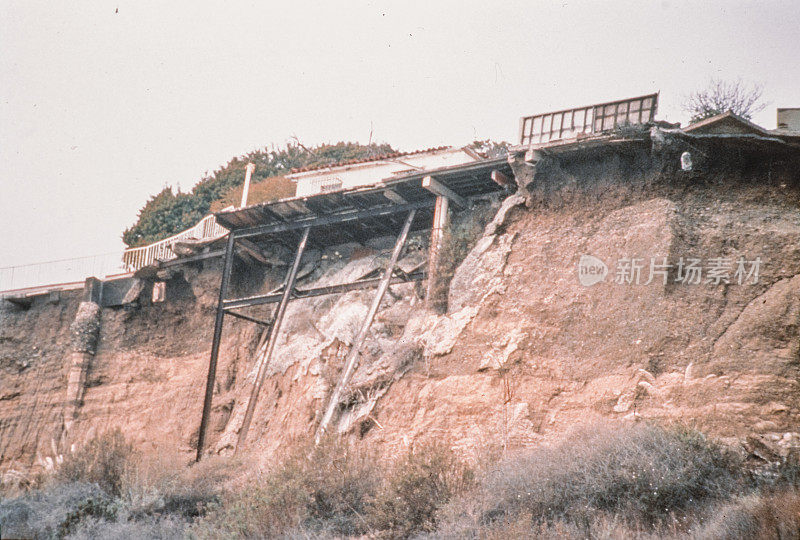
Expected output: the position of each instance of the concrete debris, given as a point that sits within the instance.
(85, 328)
(133, 293)
(446, 331)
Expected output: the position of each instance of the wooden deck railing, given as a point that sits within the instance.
(135, 258)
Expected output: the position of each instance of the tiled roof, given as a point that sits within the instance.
(723, 117)
(380, 157)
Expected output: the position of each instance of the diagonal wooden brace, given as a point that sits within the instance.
(351, 361)
(263, 357)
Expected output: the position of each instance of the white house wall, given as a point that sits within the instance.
(362, 174)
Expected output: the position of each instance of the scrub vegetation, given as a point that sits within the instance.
(633, 481)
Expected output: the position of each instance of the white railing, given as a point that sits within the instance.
(136, 258)
(60, 273)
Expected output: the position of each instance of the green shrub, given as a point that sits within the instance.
(168, 213)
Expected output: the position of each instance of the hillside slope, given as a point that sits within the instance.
(523, 353)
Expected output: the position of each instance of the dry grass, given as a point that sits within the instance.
(638, 481)
(269, 189)
(641, 477)
(755, 517)
(103, 461)
(416, 488)
(324, 491)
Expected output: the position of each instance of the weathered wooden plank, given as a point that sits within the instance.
(440, 190)
(352, 357)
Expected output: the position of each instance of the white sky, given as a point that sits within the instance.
(99, 110)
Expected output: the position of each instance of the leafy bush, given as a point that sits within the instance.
(168, 213)
(102, 461)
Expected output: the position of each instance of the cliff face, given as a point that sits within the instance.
(524, 352)
(146, 376)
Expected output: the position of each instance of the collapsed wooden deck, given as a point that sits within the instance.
(397, 206)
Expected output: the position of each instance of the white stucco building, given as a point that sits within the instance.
(311, 181)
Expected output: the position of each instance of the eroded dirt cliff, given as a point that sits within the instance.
(524, 352)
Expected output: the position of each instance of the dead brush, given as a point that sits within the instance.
(102, 461)
(324, 491)
(416, 488)
(641, 477)
(754, 517)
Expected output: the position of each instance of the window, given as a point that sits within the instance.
(327, 184)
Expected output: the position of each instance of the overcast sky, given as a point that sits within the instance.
(99, 109)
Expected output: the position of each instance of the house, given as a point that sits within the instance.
(729, 123)
(370, 171)
(726, 123)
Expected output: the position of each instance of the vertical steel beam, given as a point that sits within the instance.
(263, 359)
(351, 361)
(212, 363)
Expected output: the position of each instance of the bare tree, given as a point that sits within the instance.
(723, 96)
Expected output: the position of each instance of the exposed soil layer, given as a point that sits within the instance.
(524, 352)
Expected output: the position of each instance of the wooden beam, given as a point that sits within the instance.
(253, 250)
(440, 190)
(297, 294)
(191, 258)
(433, 292)
(263, 356)
(351, 362)
(247, 318)
(333, 219)
(501, 179)
(393, 196)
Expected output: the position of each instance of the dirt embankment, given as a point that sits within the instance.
(525, 351)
